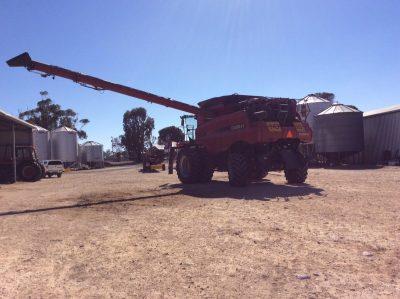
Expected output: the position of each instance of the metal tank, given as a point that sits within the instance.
(41, 142)
(92, 154)
(339, 132)
(310, 106)
(64, 145)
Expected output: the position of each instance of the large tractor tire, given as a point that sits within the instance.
(30, 172)
(296, 167)
(238, 170)
(189, 166)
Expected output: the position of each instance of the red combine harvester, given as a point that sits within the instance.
(244, 135)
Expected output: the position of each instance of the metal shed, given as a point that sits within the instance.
(14, 132)
(382, 135)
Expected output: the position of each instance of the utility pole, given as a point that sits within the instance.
(13, 153)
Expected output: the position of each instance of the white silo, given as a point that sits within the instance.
(92, 154)
(310, 106)
(64, 145)
(41, 142)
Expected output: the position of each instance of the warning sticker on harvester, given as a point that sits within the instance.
(274, 126)
(299, 127)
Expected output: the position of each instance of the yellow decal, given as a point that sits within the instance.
(299, 127)
(274, 126)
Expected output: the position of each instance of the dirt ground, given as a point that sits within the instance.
(117, 232)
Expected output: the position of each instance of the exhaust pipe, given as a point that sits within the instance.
(21, 60)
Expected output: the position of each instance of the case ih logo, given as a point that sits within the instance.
(274, 126)
(237, 127)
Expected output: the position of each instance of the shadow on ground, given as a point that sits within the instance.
(264, 190)
(348, 167)
(85, 204)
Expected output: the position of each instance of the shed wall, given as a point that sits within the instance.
(22, 137)
(382, 133)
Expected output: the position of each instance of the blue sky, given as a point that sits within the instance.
(196, 49)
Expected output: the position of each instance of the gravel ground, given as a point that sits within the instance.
(118, 232)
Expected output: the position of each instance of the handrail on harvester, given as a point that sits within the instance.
(24, 60)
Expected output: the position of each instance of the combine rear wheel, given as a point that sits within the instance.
(238, 170)
(189, 165)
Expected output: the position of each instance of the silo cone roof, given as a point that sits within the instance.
(338, 108)
(312, 100)
(91, 143)
(64, 129)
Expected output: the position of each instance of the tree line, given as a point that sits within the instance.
(137, 134)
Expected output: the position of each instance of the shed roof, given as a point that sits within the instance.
(21, 124)
(380, 111)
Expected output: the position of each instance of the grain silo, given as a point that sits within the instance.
(64, 145)
(339, 132)
(310, 106)
(92, 154)
(41, 142)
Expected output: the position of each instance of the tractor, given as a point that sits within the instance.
(28, 166)
(153, 159)
(245, 135)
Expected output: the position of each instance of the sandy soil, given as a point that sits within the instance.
(117, 232)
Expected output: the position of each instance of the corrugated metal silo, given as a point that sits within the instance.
(41, 142)
(310, 106)
(339, 130)
(92, 153)
(64, 145)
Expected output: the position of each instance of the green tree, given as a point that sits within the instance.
(50, 116)
(171, 133)
(138, 127)
(116, 145)
(325, 95)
